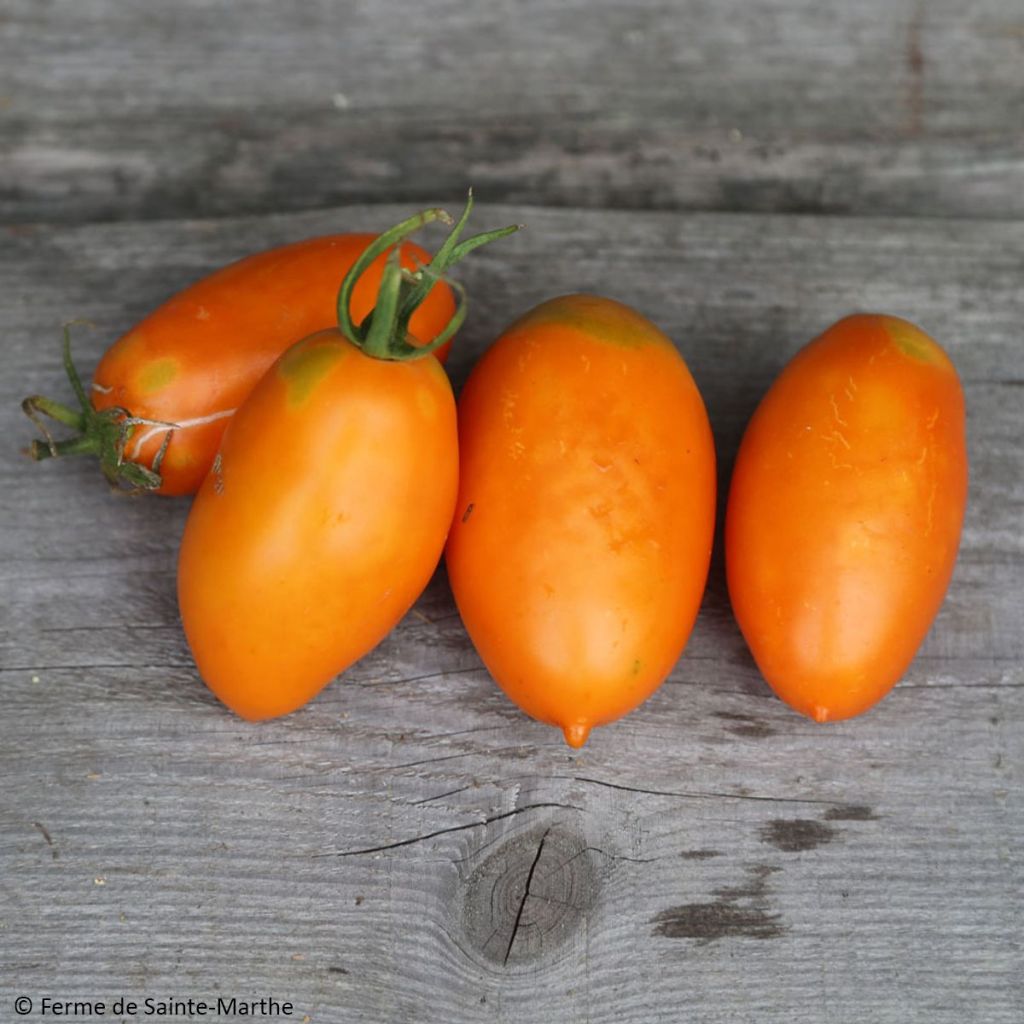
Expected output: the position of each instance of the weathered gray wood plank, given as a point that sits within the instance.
(712, 857)
(119, 110)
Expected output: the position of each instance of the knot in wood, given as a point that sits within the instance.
(529, 896)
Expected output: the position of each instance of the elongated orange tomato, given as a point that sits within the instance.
(586, 508)
(320, 524)
(192, 361)
(844, 513)
(328, 504)
(181, 372)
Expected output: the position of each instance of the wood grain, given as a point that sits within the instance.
(118, 110)
(410, 847)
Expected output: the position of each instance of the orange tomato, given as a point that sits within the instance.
(193, 360)
(844, 513)
(320, 524)
(586, 508)
(327, 506)
(163, 393)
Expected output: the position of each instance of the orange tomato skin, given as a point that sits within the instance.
(586, 507)
(844, 513)
(194, 359)
(321, 522)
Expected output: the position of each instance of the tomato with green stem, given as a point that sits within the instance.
(163, 393)
(844, 513)
(328, 503)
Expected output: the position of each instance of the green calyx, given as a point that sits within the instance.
(384, 333)
(102, 433)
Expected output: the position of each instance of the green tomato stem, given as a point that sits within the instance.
(84, 445)
(377, 339)
(379, 245)
(384, 334)
(102, 434)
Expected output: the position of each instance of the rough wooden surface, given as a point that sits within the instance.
(410, 847)
(113, 109)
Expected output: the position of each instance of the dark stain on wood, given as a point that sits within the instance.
(915, 66)
(699, 854)
(741, 911)
(796, 834)
(745, 725)
(850, 812)
(44, 832)
(530, 895)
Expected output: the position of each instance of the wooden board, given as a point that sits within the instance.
(124, 110)
(410, 847)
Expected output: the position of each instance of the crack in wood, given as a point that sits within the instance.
(430, 675)
(697, 795)
(440, 796)
(526, 895)
(442, 757)
(463, 732)
(447, 831)
(604, 853)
